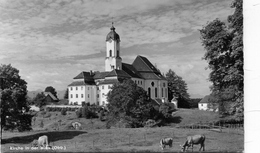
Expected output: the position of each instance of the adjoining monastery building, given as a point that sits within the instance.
(92, 87)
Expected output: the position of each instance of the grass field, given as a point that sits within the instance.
(94, 137)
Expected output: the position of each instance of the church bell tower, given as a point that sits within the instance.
(113, 59)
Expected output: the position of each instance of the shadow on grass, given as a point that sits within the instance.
(52, 136)
(174, 119)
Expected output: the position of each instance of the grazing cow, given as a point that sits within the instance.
(166, 141)
(42, 140)
(194, 140)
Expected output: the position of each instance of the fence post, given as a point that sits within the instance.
(220, 127)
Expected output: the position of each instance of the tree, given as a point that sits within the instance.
(51, 90)
(166, 110)
(177, 87)
(66, 95)
(224, 54)
(14, 105)
(129, 103)
(40, 100)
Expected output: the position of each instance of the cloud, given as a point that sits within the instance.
(65, 37)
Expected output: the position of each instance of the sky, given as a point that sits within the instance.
(52, 41)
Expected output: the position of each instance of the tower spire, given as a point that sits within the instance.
(112, 28)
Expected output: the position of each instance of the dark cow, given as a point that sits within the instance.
(194, 140)
(166, 141)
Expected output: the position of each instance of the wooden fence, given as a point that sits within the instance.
(212, 126)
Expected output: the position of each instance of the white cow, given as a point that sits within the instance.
(166, 141)
(41, 142)
(194, 140)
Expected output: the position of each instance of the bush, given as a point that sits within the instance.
(150, 123)
(166, 110)
(88, 112)
(79, 113)
(25, 122)
(63, 111)
(101, 114)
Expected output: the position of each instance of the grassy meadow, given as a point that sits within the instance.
(94, 137)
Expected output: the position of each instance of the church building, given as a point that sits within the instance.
(92, 87)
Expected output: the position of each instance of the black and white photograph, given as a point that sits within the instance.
(127, 76)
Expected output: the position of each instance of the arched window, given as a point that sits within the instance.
(155, 92)
(152, 84)
(110, 53)
(149, 92)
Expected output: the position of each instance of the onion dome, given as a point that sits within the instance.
(112, 34)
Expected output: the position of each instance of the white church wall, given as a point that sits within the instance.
(139, 82)
(75, 94)
(105, 88)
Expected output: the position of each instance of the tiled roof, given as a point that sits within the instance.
(109, 81)
(51, 95)
(77, 83)
(154, 102)
(80, 76)
(142, 64)
(118, 73)
(159, 101)
(146, 69)
(130, 70)
(100, 75)
(87, 76)
(152, 76)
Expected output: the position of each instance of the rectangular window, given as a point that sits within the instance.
(103, 87)
(76, 88)
(81, 88)
(166, 92)
(76, 95)
(71, 96)
(82, 96)
(88, 88)
(162, 92)
(88, 95)
(155, 92)
(97, 88)
(71, 88)
(97, 95)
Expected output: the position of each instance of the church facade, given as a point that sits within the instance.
(92, 87)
